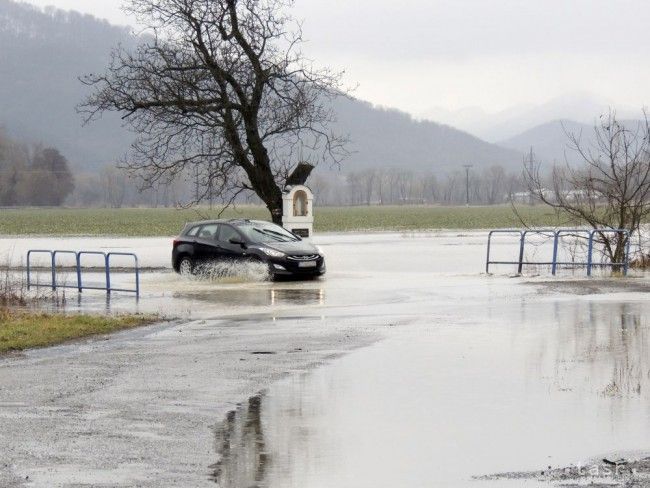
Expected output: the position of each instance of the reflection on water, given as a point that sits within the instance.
(604, 350)
(257, 297)
(516, 388)
(240, 446)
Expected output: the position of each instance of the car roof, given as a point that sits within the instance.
(224, 221)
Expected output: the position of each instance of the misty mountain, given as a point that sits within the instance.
(583, 108)
(551, 144)
(44, 52)
(550, 141)
(389, 138)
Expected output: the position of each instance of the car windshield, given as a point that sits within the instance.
(266, 232)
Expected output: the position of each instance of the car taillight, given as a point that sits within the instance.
(176, 242)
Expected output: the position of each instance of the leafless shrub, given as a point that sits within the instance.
(13, 291)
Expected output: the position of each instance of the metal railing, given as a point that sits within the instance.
(556, 235)
(108, 288)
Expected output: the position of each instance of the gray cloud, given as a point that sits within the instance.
(492, 54)
(470, 29)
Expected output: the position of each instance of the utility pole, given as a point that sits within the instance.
(210, 185)
(467, 168)
(196, 184)
(531, 169)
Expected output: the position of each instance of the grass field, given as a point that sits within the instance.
(168, 222)
(21, 330)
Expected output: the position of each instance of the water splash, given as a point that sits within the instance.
(231, 272)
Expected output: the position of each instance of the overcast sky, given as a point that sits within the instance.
(491, 54)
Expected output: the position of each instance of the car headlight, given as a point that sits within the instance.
(272, 252)
(320, 250)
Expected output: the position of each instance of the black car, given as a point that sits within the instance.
(285, 253)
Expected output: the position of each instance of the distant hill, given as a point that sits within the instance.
(494, 127)
(41, 57)
(390, 138)
(44, 52)
(550, 141)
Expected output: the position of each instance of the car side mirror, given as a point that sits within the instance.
(237, 241)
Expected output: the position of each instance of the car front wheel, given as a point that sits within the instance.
(186, 266)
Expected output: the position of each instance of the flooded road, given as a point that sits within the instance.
(530, 386)
(404, 366)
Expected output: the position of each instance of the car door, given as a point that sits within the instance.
(206, 246)
(230, 251)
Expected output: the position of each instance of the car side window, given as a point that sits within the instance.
(193, 231)
(208, 231)
(227, 232)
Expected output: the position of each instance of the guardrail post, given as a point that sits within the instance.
(53, 271)
(487, 260)
(522, 243)
(556, 243)
(590, 252)
(29, 280)
(107, 263)
(137, 277)
(79, 284)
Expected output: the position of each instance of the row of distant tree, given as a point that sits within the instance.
(33, 175)
(41, 176)
(396, 186)
(111, 187)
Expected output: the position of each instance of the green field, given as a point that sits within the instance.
(168, 222)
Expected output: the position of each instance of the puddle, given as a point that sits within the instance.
(516, 388)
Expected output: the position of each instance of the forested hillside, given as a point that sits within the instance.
(44, 53)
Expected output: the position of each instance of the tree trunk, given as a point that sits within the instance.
(619, 253)
(300, 174)
(272, 198)
(276, 212)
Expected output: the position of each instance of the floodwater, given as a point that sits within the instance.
(363, 270)
(475, 374)
(520, 388)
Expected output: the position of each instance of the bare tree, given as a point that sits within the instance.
(114, 183)
(354, 186)
(404, 186)
(368, 178)
(320, 185)
(450, 192)
(610, 190)
(494, 183)
(430, 188)
(224, 88)
(381, 183)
